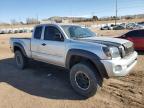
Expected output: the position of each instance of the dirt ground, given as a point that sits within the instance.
(46, 86)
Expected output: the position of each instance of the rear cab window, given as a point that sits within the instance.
(132, 34)
(136, 33)
(38, 32)
(141, 34)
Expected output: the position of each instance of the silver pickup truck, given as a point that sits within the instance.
(88, 57)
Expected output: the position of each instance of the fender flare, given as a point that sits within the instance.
(16, 44)
(89, 55)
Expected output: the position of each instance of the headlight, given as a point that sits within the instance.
(111, 52)
(114, 52)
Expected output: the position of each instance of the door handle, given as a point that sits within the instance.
(43, 44)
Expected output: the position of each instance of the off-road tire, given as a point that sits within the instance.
(20, 59)
(89, 72)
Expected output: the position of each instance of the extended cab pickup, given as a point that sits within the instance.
(88, 57)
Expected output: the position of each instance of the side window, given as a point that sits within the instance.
(38, 32)
(52, 33)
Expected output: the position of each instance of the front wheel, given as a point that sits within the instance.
(21, 60)
(83, 79)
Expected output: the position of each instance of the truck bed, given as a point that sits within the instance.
(25, 42)
(20, 38)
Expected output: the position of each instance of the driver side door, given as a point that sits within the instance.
(52, 46)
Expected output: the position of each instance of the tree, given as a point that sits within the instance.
(95, 18)
(14, 22)
(32, 21)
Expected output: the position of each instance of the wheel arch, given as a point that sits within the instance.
(18, 46)
(75, 56)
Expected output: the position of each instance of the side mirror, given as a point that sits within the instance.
(59, 37)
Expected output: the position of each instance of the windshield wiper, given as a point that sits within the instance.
(80, 36)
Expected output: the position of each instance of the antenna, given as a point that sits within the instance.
(37, 18)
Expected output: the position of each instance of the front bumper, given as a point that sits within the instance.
(120, 67)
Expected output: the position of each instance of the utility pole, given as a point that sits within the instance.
(116, 10)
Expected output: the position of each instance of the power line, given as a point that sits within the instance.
(136, 6)
(119, 8)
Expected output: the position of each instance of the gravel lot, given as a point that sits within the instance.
(46, 86)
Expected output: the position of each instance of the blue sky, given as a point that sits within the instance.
(21, 9)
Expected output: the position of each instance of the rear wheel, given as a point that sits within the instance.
(84, 80)
(21, 60)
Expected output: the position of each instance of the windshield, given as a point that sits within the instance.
(77, 31)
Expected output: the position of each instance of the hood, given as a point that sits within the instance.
(126, 49)
(106, 41)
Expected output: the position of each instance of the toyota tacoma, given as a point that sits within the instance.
(89, 58)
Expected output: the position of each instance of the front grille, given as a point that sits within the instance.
(128, 47)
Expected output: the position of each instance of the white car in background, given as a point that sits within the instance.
(141, 24)
(133, 26)
(3, 31)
